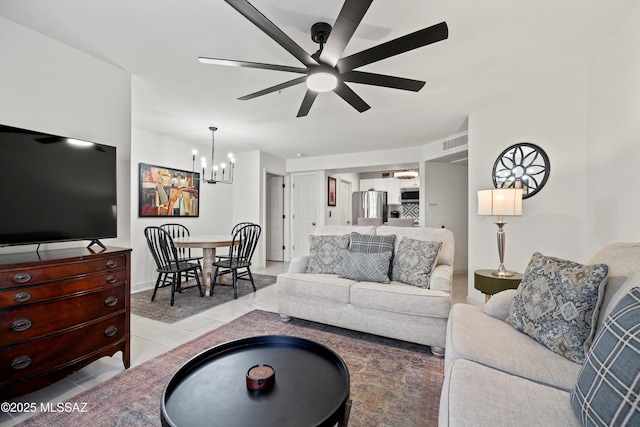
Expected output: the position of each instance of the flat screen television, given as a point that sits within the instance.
(55, 189)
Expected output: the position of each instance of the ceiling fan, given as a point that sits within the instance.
(326, 70)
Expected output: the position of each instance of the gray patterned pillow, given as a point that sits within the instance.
(370, 243)
(365, 267)
(415, 261)
(555, 304)
(324, 253)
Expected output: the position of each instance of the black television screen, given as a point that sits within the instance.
(54, 189)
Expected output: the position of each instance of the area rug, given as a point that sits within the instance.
(188, 302)
(393, 383)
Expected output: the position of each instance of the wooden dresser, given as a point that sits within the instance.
(59, 311)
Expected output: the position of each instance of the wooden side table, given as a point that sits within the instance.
(488, 284)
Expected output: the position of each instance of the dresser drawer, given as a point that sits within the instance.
(32, 294)
(31, 358)
(40, 274)
(32, 321)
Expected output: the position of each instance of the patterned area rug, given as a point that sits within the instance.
(188, 302)
(393, 383)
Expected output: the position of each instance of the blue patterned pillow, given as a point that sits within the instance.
(324, 253)
(557, 302)
(608, 388)
(415, 261)
(371, 243)
(365, 267)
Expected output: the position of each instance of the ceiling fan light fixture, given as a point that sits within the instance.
(322, 79)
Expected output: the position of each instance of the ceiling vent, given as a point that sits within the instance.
(455, 142)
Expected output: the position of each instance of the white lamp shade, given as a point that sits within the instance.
(500, 202)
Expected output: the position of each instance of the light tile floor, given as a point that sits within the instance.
(150, 338)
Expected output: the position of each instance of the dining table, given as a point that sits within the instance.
(208, 243)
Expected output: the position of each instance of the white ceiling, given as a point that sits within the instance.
(494, 50)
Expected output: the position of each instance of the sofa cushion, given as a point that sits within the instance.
(326, 287)
(424, 233)
(476, 395)
(370, 243)
(623, 260)
(473, 335)
(398, 297)
(324, 253)
(557, 304)
(371, 267)
(608, 388)
(414, 261)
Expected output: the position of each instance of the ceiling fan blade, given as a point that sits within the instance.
(246, 64)
(247, 10)
(348, 20)
(307, 102)
(351, 97)
(382, 80)
(420, 38)
(274, 88)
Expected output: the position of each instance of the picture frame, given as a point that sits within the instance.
(331, 193)
(168, 192)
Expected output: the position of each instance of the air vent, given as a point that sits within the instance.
(452, 143)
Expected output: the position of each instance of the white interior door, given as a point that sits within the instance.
(344, 194)
(304, 215)
(275, 218)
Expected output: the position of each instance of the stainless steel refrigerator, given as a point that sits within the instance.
(369, 204)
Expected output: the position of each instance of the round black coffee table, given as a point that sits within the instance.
(311, 386)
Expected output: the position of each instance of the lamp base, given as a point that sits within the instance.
(503, 273)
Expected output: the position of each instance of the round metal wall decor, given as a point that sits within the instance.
(523, 165)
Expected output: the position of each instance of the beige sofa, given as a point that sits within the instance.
(394, 310)
(498, 376)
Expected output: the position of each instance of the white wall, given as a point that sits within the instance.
(49, 87)
(588, 123)
(553, 116)
(215, 200)
(613, 178)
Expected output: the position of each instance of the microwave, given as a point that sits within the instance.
(409, 194)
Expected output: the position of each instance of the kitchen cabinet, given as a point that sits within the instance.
(390, 185)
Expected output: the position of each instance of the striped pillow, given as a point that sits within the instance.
(608, 388)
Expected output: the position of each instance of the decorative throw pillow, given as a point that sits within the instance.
(324, 253)
(365, 267)
(557, 303)
(415, 261)
(371, 243)
(609, 383)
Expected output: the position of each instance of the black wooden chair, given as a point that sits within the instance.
(184, 254)
(238, 263)
(233, 231)
(168, 265)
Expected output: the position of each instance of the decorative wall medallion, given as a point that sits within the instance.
(523, 165)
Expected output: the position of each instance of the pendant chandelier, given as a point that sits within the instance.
(228, 179)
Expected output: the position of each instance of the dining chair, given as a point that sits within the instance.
(168, 264)
(238, 263)
(184, 254)
(233, 231)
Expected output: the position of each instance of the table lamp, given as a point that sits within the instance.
(500, 202)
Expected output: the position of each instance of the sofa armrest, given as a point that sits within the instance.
(298, 264)
(499, 304)
(441, 278)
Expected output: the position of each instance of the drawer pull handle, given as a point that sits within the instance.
(21, 362)
(22, 277)
(111, 301)
(22, 297)
(21, 324)
(112, 263)
(111, 331)
(112, 279)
